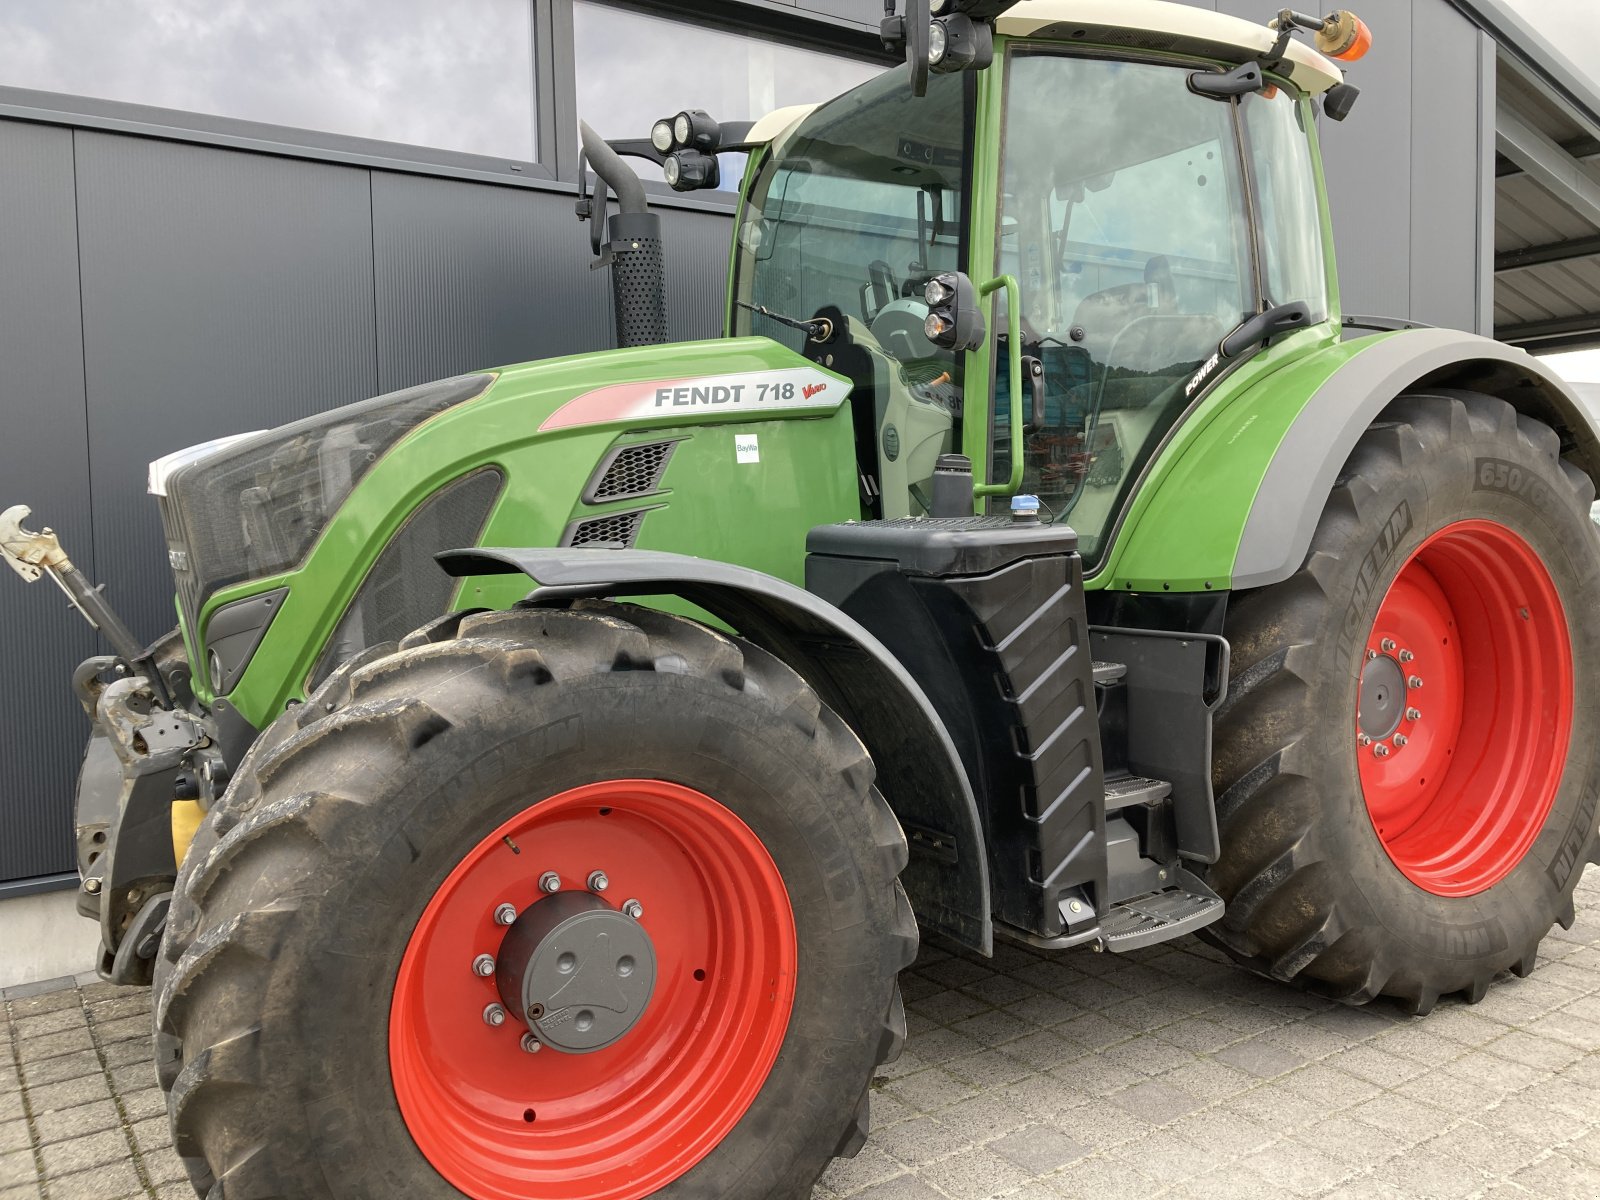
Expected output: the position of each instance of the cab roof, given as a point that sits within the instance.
(1135, 24)
(1161, 26)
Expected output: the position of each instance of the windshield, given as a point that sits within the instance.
(1126, 227)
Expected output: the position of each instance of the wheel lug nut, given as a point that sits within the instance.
(598, 881)
(494, 1016)
(1363, 740)
(504, 914)
(483, 966)
(1415, 681)
(1372, 654)
(1400, 739)
(550, 882)
(1388, 645)
(1413, 714)
(1381, 750)
(531, 1044)
(1406, 656)
(633, 908)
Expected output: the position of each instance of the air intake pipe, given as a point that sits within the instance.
(632, 248)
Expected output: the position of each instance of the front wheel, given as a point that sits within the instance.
(577, 905)
(1405, 775)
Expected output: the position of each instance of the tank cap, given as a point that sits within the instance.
(1025, 504)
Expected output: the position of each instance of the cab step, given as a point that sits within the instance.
(1126, 791)
(1160, 916)
(1109, 672)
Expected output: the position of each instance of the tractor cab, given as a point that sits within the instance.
(1149, 197)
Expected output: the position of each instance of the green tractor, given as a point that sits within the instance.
(552, 766)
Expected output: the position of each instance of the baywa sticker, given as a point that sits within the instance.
(738, 395)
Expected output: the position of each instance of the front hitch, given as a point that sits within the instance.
(31, 555)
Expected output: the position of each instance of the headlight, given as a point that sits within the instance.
(661, 136)
(938, 43)
(256, 506)
(673, 170)
(681, 129)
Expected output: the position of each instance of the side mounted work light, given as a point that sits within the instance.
(955, 321)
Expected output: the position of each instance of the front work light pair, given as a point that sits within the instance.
(690, 142)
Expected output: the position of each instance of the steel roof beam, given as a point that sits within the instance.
(1547, 335)
(1547, 163)
(1549, 252)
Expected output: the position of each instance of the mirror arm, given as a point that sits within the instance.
(1014, 353)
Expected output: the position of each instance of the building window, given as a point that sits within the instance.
(634, 69)
(456, 76)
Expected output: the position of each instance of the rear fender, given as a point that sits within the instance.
(919, 770)
(1266, 459)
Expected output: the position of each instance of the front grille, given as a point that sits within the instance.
(405, 588)
(629, 471)
(620, 529)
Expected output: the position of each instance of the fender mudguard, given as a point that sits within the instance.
(1235, 497)
(919, 770)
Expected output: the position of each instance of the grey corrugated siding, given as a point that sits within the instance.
(44, 461)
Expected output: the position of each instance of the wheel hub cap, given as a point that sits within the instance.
(577, 971)
(1383, 697)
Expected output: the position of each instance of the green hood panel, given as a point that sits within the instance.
(762, 451)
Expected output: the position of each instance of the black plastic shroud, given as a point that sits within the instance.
(989, 617)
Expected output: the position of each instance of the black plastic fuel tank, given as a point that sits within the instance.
(988, 615)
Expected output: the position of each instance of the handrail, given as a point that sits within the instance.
(1014, 350)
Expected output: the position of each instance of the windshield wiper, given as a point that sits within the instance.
(819, 329)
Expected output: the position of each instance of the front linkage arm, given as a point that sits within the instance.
(32, 554)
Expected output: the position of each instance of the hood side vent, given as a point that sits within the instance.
(629, 471)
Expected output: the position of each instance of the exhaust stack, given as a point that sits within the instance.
(632, 249)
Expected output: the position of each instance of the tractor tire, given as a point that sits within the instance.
(325, 1028)
(1404, 765)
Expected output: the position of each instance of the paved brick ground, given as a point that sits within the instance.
(1162, 1073)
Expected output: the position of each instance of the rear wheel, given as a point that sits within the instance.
(591, 904)
(1404, 807)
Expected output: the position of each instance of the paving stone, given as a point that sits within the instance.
(1156, 1102)
(1038, 1149)
(871, 1165)
(62, 1124)
(18, 1170)
(975, 1175)
(64, 1066)
(1297, 1169)
(921, 1140)
(105, 1182)
(1260, 1057)
(906, 1187)
(69, 1093)
(93, 1150)
(37, 1048)
(14, 1135)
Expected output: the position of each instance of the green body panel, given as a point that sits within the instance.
(1182, 531)
(752, 514)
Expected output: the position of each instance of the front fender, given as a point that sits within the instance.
(1234, 499)
(919, 770)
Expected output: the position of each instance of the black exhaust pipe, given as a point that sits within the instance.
(633, 249)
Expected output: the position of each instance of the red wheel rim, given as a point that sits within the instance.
(621, 1122)
(1460, 767)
